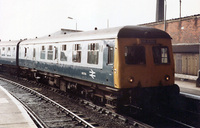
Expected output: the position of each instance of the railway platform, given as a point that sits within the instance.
(187, 84)
(12, 113)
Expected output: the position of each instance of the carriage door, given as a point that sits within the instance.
(34, 53)
(56, 54)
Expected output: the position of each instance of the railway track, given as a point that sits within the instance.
(165, 118)
(34, 100)
(184, 114)
(46, 111)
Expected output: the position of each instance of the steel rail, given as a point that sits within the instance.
(173, 120)
(192, 96)
(31, 113)
(74, 116)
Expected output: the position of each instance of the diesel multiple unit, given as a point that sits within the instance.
(116, 66)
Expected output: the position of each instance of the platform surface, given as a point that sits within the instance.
(12, 114)
(188, 87)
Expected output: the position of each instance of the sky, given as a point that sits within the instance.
(21, 19)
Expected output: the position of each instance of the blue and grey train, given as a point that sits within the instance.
(115, 66)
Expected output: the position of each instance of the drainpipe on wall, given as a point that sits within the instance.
(198, 79)
(165, 10)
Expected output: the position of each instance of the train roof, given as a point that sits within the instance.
(9, 43)
(110, 33)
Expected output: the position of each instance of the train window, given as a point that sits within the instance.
(64, 47)
(135, 55)
(110, 55)
(161, 55)
(56, 53)
(13, 52)
(8, 52)
(50, 53)
(25, 52)
(93, 53)
(3, 51)
(34, 52)
(63, 54)
(42, 53)
(76, 55)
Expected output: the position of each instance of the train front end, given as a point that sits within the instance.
(144, 69)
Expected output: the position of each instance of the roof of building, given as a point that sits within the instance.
(186, 48)
(173, 20)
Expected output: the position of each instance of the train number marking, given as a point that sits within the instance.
(92, 73)
(84, 73)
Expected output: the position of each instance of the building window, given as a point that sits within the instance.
(50, 53)
(135, 55)
(93, 53)
(63, 53)
(161, 55)
(42, 53)
(76, 55)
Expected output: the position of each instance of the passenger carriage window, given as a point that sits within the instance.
(42, 53)
(110, 55)
(93, 53)
(8, 52)
(63, 53)
(20, 52)
(3, 51)
(50, 53)
(34, 52)
(135, 55)
(25, 52)
(161, 55)
(56, 53)
(13, 52)
(76, 55)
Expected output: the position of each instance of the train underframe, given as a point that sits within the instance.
(9, 69)
(114, 99)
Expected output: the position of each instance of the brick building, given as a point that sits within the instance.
(185, 33)
(182, 30)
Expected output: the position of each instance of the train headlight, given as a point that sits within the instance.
(131, 79)
(167, 77)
